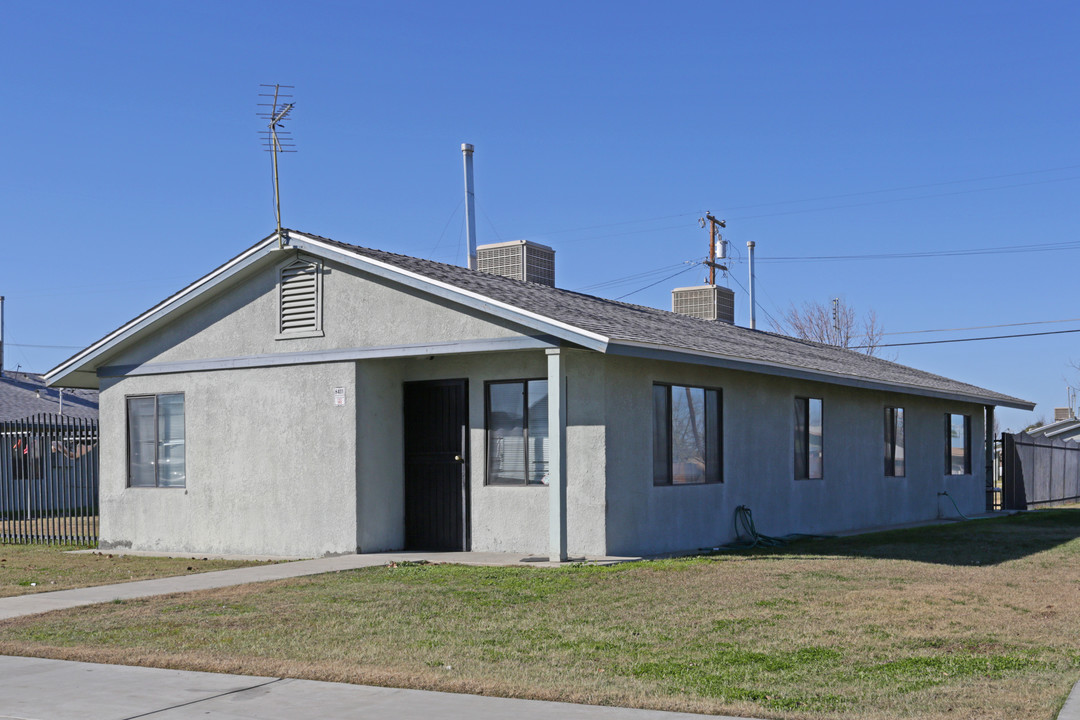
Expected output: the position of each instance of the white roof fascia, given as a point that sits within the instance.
(189, 293)
(561, 330)
(1063, 426)
(642, 349)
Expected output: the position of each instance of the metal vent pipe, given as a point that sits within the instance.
(753, 306)
(470, 204)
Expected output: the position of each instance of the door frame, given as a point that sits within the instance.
(466, 454)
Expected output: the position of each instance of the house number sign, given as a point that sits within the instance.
(339, 396)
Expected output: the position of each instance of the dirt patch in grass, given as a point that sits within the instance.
(874, 627)
(42, 568)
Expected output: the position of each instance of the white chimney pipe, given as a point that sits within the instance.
(753, 306)
(470, 205)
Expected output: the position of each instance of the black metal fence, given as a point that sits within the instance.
(1038, 471)
(49, 480)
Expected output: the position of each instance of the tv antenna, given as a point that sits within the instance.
(276, 139)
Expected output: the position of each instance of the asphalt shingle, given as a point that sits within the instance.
(24, 395)
(626, 322)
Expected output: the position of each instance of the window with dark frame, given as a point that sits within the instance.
(156, 441)
(957, 444)
(687, 435)
(809, 462)
(894, 442)
(516, 420)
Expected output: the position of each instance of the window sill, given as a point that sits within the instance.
(514, 485)
(298, 335)
(688, 484)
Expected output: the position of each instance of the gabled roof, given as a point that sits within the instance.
(23, 395)
(603, 325)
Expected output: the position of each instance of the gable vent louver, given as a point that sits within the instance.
(299, 286)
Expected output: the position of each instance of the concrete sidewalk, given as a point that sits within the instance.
(20, 605)
(37, 689)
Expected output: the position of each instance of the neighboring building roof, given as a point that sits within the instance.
(605, 325)
(1061, 429)
(24, 395)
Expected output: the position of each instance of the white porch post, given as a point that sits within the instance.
(557, 455)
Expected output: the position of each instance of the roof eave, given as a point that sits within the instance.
(80, 369)
(676, 354)
(76, 370)
(535, 321)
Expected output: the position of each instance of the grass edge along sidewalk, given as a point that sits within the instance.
(26, 569)
(969, 620)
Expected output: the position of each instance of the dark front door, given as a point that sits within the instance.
(436, 492)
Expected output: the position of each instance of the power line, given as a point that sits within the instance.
(775, 324)
(904, 199)
(605, 225)
(632, 278)
(47, 347)
(635, 292)
(1036, 247)
(982, 327)
(956, 340)
(448, 220)
(902, 188)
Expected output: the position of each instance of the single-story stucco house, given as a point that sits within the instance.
(312, 397)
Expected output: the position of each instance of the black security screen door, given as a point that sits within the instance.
(436, 492)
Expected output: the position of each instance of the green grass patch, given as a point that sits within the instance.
(932, 623)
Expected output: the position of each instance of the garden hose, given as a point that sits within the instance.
(747, 536)
(946, 494)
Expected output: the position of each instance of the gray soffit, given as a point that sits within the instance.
(591, 322)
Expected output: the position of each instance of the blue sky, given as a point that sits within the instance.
(132, 162)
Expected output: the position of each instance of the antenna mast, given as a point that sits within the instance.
(276, 138)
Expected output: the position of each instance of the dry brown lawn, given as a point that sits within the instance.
(975, 620)
(41, 568)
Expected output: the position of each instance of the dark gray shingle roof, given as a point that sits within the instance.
(24, 395)
(639, 324)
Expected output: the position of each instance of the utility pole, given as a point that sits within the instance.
(713, 235)
(836, 321)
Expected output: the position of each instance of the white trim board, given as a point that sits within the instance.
(329, 356)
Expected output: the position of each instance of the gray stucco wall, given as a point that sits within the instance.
(271, 464)
(275, 467)
(358, 311)
(758, 443)
(502, 518)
